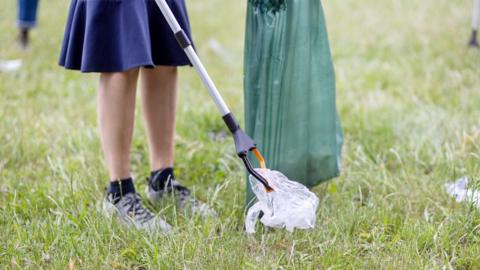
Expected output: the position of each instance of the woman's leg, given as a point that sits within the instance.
(159, 96)
(116, 114)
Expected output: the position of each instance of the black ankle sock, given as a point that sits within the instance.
(159, 178)
(120, 188)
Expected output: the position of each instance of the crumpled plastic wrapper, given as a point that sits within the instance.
(291, 205)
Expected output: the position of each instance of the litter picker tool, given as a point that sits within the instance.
(243, 143)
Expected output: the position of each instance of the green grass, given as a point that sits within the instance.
(409, 103)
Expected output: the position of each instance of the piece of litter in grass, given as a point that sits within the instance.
(10, 65)
(291, 205)
(459, 190)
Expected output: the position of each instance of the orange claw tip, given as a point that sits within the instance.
(259, 157)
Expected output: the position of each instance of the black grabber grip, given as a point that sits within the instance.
(243, 145)
(182, 39)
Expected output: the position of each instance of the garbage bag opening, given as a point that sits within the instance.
(291, 205)
(268, 5)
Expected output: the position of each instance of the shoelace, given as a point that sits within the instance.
(136, 208)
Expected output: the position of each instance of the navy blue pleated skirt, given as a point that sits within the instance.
(117, 35)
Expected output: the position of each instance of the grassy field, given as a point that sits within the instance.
(408, 96)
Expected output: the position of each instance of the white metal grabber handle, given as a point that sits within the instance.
(186, 45)
(243, 143)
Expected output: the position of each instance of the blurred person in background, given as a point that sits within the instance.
(26, 20)
(475, 17)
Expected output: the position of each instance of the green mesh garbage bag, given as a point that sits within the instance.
(289, 83)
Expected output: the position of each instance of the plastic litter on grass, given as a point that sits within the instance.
(291, 205)
(460, 191)
(10, 65)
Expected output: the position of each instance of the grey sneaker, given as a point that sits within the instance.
(185, 200)
(130, 210)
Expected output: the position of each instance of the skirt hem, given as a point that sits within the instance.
(125, 68)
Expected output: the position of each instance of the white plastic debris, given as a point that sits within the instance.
(461, 193)
(291, 205)
(10, 65)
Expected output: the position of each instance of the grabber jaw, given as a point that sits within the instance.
(243, 145)
(255, 174)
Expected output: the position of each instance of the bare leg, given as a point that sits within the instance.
(475, 14)
(159, 96)
(116, 115)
